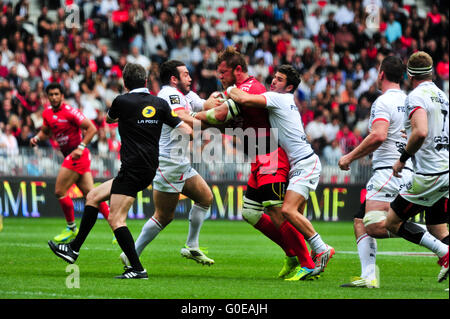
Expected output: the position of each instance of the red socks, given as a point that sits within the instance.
(294, 239)
(266, 226)
(104, 209)
(67, 207)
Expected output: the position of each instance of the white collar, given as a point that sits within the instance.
(140, 90)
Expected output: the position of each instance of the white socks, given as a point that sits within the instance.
(196, 218)
(433, 244)
(317, 243)
(149, 231)
(367, 251)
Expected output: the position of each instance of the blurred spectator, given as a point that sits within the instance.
(346, 139)
(6, 111)
(101, 145)
(156, 45)
(394, 29)
(136, 57)
(332, 128)
(206, 75)
(315, 130)
(8, 143)
(113, 143)
(332, 153)
(23, 140)
(345, 14)
(442, 68)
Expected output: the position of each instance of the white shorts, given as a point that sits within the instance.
(383, 186)
(426, 190)
(304, 176)
(171, 176)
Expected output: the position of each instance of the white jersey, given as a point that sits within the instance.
(389, 107)
(169, 143)
(195, 101)
(284, 116)
(432, 157)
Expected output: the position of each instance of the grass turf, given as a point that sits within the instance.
(247, 264)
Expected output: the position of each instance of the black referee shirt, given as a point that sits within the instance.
(141, 116)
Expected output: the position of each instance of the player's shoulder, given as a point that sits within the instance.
(47, 110)
(417, 97)
(389, 99)
(171, 95)
(253, 86)
(192, 95)
(275, 96)
(68, 108)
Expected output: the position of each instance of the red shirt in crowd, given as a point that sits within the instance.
(65, 125)
(442, 69)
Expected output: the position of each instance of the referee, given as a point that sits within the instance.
(140, 116)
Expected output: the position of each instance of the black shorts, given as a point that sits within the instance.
(130, 182)
(267, 192)
(434, 215)
(361, 211)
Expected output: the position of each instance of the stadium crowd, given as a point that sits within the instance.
(334, 50)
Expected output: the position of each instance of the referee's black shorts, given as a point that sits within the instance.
(129, 182)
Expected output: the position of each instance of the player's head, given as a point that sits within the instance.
(392, 70)
(134, 76)
(55, 94)
(420, 67)
(231, 65)
(176, 74)
(285, 80)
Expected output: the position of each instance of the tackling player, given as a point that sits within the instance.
(66, 124)
(305, 165)
(267, 184)
(427, 128)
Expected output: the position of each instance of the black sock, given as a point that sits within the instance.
(411, 232)
(87, 222)
(445, 240)
(126, 242)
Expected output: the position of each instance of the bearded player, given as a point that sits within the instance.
(267, 184)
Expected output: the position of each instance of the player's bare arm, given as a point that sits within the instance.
(215, 115)
(376, 137)
(190, 119)
(89, 130)
(42, 135)
(185, 129)
(419, 132)
(244, 98)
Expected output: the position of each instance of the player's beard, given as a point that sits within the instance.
(184, 88)
(57, 107)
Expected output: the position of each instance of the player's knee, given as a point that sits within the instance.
(392, 224)
(251, 216)
(92, 198)
(377, 230)
(252, 211)
(163, 219)
(59, 193)
(374, 217)
(287, 211)
(375, 224)
(206, 200)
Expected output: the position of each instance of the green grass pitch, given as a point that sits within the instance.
(247, 264)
